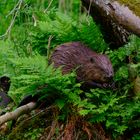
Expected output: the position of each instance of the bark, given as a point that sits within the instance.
(15, 114)
(116, 21)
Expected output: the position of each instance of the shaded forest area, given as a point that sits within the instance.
(30, 31)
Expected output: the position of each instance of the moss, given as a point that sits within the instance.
(29, 129)
(134, 5)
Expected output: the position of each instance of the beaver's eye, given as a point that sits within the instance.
(92, 60)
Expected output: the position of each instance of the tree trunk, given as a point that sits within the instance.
(116, 21)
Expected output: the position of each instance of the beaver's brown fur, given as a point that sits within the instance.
(89, 65)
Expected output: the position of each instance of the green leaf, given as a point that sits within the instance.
(60, 103)
(84, 112)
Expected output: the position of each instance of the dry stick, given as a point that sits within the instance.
(77, 136)
(48, 48)
(13, 20)
(52, 131)
(35, 21)
(48, 6)
(50, 107)
(88, 12)
(60, 136)
(85, 128)
(69, 129)
(18, 112)
(14, 9)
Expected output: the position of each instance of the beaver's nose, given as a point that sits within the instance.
(109, 78)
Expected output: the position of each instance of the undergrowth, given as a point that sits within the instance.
(24, 58)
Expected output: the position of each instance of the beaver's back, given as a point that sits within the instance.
(90, 65)
(70, 55)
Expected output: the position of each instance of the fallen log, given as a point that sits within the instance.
(116, 21)
(18, 112)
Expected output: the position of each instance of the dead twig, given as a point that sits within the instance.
(48, 6)
(69, 129)
(49, 45)
(34, 19)
(17, 7)
(52, 131)
(87, 130)
(48, 108)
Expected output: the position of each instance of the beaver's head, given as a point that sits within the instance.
(96, 68)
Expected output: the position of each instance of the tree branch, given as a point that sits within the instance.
(18, 112)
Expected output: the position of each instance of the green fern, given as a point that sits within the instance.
(24, 60)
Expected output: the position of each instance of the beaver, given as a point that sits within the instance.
(93, 69)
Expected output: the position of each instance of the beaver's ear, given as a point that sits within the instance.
(92, 60)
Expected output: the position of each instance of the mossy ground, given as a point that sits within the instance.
(27, 127)
(47, 125)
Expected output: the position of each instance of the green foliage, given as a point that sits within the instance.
(37, 26)
(33, 134)
(24, 59)
(7, 52)
(32, 74)
(117, 112)
(120, 59)
(31, 129)
(64, 29)
(5, 7)
(129, 50)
